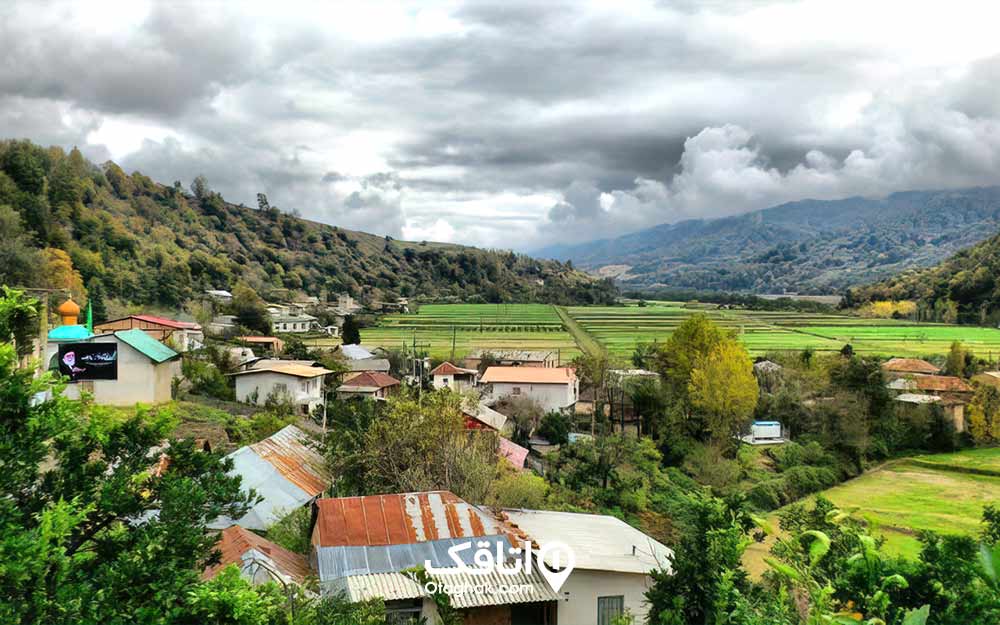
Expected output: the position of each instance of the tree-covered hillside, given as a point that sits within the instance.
(67, 223)
(964, 288)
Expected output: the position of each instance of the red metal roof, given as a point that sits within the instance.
(234, 541)
(397, 519)
(375, 379)
(446, 368)
(163, 321)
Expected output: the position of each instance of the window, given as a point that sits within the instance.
(516, 390)
(608, 608)
(403, 612)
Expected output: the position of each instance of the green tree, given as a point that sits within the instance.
(955, 363)
(692, 342)
(250, 310)
(20, 261)
(18, 319)
(90, 533)
(724, 389)
(351, 332)
(412, 443)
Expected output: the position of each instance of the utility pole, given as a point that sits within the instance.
(452, 344)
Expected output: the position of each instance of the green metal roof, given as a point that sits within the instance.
(147, 345)
(69, 333)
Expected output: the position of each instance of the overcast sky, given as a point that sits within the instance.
(515, 124)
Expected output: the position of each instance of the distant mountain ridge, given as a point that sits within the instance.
(809, 246)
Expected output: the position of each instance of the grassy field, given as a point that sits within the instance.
(928, 492)
(619, 329)
(474, 326)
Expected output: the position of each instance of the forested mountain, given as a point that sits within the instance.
(65, 222)
(963, 288)
(810, 246)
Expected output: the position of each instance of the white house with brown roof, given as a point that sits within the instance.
(299, 383)
(554, 388)
(897, 367)
(447, 375)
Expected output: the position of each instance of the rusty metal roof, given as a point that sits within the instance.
(398, 519)
(234, 544)
(284, 470)
(288, 450)
(934, 383)
(909, 365)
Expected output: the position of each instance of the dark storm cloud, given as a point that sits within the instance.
(171, 61)
(515, 120)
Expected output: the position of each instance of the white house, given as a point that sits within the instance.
(301, 384)
(554, 388)
(613, 563)
(294, 322)
(447, 375)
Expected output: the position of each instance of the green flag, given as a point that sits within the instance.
(90, 317)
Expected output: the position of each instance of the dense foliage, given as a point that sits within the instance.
(964, 288)
(67, 223)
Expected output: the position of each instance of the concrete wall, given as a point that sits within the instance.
(459, 384)
(583, 587)
(303, 391)
(550, 396)
(140, 380)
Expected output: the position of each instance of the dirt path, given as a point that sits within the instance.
(587, 343)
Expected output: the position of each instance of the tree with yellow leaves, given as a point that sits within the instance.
(724, 390)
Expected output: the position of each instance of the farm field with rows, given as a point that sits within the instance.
(621, 328)
(474, 326)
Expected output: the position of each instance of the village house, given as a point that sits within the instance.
(368, 384)
(554, 388)
(271, 344)
(949, 392)
(355, 368)
(259, 560)
(447, 375)
(300, 384)
(513, 358)
(613, 563)
(118, 369)
(181, 335)
(284, 470)
(294, 322)
(222, 325)
(361, 547)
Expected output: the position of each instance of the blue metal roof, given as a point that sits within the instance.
(70, 333)
(767, 423)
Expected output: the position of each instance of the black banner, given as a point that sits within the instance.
(89, 361)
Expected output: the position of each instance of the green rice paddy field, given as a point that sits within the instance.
(475, 326)
(618, 329)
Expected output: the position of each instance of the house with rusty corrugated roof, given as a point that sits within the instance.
(362, 546)
(284, 470)
(258, 559)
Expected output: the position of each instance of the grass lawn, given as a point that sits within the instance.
(902, 498)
